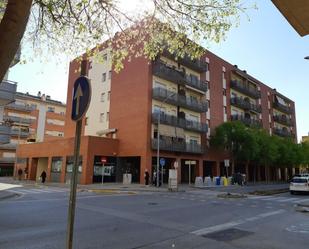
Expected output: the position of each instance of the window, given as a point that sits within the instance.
(225, 112)
(101, 117)
(104, 57)
(102, 97)
(108, 95)
(51, 109)
(207, 66)
(60, 134)
(107, 116)
(103, 77)
(208, 103)
(33, 106)
(224, 92)
(109, 74)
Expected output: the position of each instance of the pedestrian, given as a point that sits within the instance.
(43, 176)
(19, 172)
(154, 178)
(26, 173)
(146, 177)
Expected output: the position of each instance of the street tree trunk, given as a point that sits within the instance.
(12, 28)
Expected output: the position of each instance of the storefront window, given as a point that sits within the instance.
(56, 165)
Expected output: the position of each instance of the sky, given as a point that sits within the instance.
(266, 46)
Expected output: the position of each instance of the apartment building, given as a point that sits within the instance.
(31, 118)
(176, 104)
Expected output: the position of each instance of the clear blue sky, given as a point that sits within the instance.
(266, 46)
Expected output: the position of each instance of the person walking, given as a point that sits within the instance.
(43, 176)
(147, 177)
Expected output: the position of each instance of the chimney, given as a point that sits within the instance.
(39, 94)
(48, 97)
(43, 97)
(244, 71)
(236, 66)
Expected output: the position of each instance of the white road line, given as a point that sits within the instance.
(223, 226)
(278, 198)
(288, 199)
(300, 200)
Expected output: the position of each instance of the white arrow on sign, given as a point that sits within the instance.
(77, 96)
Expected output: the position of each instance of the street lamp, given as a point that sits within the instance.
(158, 138)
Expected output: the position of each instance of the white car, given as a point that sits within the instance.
(299, 183)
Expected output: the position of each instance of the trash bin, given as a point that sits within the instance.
(218, 180)
(229, 180)
(207, 181)
(225, 182)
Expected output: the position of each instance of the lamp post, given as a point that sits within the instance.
(158, 138)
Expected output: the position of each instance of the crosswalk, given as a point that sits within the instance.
(213, 197)
(280, 199)
(23, 191)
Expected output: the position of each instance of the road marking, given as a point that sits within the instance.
(288, 199)
(300, 201)
(227, 225)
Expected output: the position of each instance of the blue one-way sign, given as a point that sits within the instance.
(81, 98)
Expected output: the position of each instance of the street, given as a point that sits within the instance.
(37, 219)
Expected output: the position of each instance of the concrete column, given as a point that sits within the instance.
(63, 169)
(216, 169)
(49, 164)
(33, 163)
(199, 168)
(179, 170)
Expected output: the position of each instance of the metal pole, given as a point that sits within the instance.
(72, 201)
(158, 147)
(103, 173)
(189, 172)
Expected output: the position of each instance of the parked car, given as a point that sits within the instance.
(299, 183)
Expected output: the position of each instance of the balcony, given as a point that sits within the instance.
(19, 107)
(163, 71)
(249, 91)
(17, 120)
(194, 64)
(283, 132)
(246, 105)
(282, 108)
(179, 122)
(168, 73)
(247, 121)
(196, 83)
(162, 94)
(167, 144)
(283, 120)
(5, 132)
(17, 132)
(7, 92)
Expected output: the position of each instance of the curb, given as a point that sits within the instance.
(8, 196)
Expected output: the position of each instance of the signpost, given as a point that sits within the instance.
(227, 164)
(80, 102)
(162, 163)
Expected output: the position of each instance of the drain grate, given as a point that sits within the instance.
(228, 234)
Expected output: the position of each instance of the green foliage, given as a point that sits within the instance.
(256, 145)
(73, 26)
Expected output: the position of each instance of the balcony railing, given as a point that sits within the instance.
(247, 121)
(194, 64)
(179, 122)
(246, 105)
(196, 83)
(19, 107)
(162, 94)
(283, 120)
(166, 72)
(5, 132)
(282, 108)
(7, 92)
(17, 119)
(17, 132)
(250, 91)
(167, 144)
(282, 132)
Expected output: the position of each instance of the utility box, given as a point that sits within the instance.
(127, 178)
(172, 180)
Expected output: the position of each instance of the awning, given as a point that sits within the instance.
(168, 131)
(180, 132)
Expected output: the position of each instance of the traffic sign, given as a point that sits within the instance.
(103, 159)
(227, 163)
(162, 161)
(81, 98)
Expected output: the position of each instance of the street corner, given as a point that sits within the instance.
(4, 195)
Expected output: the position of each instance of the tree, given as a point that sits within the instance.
(76, 25)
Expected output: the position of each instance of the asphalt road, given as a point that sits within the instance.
(195, 219)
